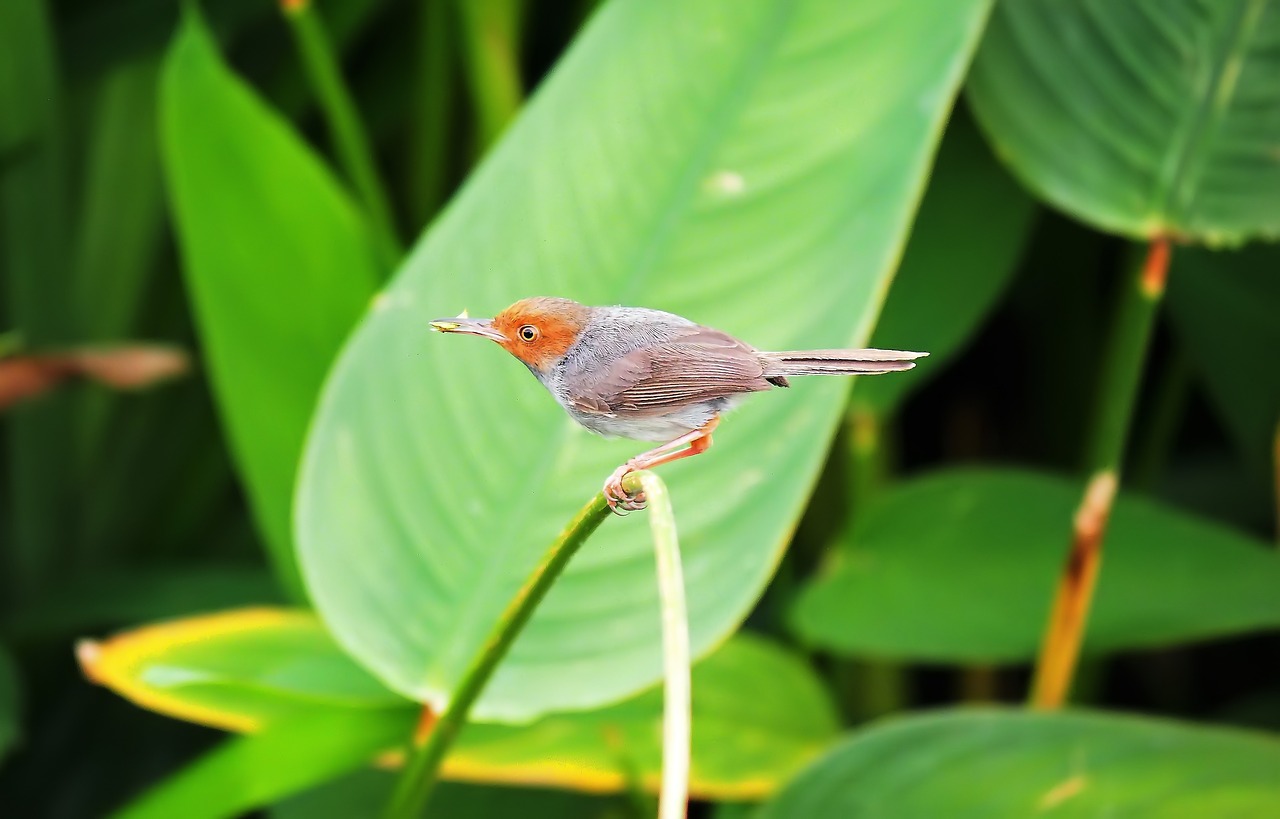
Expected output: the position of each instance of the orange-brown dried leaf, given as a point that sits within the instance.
(124, 367)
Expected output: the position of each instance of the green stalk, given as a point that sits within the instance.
(490, 29)
(423, 766)
(345, 127)
(1126, 355)
(874, 687)
(428, 145)
(867, 457)
(677, 715)
(1122, 375)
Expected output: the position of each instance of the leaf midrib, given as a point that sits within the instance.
(659, 236)
(1185, 159)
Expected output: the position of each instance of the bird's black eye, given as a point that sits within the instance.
(528, 332)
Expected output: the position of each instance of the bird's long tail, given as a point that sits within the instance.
(837, 362)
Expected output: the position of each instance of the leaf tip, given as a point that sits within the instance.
(88, 656)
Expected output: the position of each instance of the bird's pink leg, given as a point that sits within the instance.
(699, 441)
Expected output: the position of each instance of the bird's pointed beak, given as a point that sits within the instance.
(470, 326)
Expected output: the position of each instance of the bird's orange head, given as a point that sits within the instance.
(538, 331)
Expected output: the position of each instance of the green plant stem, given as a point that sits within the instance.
(1125, 358)
(345, 127)
(677, 715)
(428, 146)
(1122, 374)
(868, 460)
(423, 765)
(489, 30)
(872, 688)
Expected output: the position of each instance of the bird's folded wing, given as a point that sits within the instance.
(701, 366)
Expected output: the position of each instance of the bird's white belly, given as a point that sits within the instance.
(661, 428)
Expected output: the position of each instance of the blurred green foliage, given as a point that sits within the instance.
(236, 178)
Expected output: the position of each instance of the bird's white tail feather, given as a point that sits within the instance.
(837, 362)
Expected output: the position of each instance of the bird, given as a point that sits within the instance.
(649, 375)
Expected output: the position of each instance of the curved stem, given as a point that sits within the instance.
(1126, 355)
(349, 138)
(677, 713)
(423, 765)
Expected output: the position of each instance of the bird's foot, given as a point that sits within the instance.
(619, 499)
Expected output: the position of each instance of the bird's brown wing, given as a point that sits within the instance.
(702, 365)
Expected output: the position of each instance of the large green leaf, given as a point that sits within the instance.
(973, 223)
(961, 566)
(1223, 306)
(1139, 118)
(750, 165)
(988, 763)
(9, 718)
(278, 263)
(759, 712)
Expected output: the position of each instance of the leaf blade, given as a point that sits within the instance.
(987, 762)
(593, 195)
(1142, 121)
(998, 535)
(235, 169)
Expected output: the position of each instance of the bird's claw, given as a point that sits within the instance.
(619, 499)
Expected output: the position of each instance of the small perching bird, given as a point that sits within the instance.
(637, 373)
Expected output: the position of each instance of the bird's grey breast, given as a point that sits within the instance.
(611, 333)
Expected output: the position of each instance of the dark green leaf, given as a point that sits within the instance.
(976, 764)
(110, 599)
(278, 263)
(122, 210)
(1140, 119)
(121, 216)
(965, 243)
(961, 566)
(34, 262)
(1224, 307)
(100, 36)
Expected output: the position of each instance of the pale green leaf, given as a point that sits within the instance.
(752, 166)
